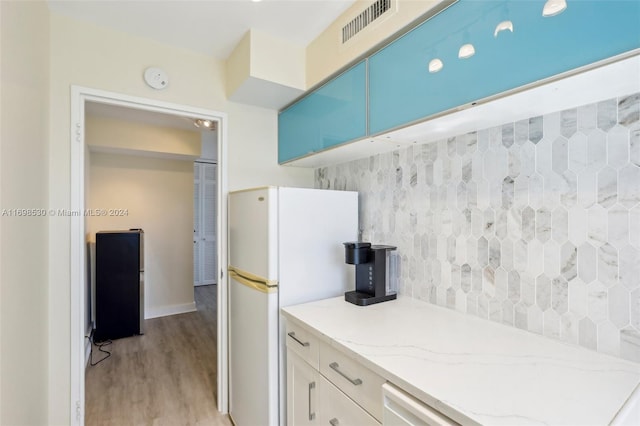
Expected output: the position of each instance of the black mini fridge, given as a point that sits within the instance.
(119, 283)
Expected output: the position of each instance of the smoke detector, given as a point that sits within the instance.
(156, 78)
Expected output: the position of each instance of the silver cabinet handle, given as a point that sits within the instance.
(334, 422)
(312, 415)
(334, 366)
(293, 336)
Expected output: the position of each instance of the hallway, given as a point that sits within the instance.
(165, 377)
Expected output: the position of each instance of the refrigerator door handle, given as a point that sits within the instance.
(253, 281)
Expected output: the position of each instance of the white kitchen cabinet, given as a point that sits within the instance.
(302, 392)
(462, 369)
(320, 389)
(359, 383)
(337, 409)
(303, 344)
(325, 386)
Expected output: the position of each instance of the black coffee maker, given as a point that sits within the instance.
(376, 273)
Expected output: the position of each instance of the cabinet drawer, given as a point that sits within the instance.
(336, 409)
(302, 343)
(358, 382)
(402, 409)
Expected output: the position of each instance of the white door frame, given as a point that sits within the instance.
(79, 96)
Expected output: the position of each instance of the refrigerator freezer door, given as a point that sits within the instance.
(253, 355)
(253, 228)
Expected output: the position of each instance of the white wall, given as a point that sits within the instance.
(253, 150)
(157, 195)
(91, 56)
(102, 133)
(209, 142)
(24, 86)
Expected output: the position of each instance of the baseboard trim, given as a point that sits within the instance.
(163, 311)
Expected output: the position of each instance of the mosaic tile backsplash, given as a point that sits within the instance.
(534, 224)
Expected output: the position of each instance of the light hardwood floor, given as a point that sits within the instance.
(165, 377)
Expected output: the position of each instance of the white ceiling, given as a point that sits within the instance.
(212, 27)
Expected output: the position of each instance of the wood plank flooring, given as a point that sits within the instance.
(165, 377)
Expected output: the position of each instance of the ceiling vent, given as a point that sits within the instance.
(378, 9)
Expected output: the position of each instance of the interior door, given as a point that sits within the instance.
(204, 223)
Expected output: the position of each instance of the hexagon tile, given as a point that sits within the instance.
(533, 224)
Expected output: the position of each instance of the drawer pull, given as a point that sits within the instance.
(293, 336)
(334, 366)
(334, 422)
(312, 386)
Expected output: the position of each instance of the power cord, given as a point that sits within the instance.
(100, 346)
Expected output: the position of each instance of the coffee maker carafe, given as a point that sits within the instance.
(376, 272)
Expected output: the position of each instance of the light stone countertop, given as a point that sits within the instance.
(473, 370)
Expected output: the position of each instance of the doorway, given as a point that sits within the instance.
(80, 97)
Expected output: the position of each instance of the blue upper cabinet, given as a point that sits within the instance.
(403, 90)
(328, 116)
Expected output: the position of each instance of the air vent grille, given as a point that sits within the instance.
(370, 14)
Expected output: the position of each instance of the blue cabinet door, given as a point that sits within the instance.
(328, 116)
(402, 89)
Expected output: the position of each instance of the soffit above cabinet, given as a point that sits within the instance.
(264, 93)
(265, 71)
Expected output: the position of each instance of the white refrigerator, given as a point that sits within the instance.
(285, 248)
